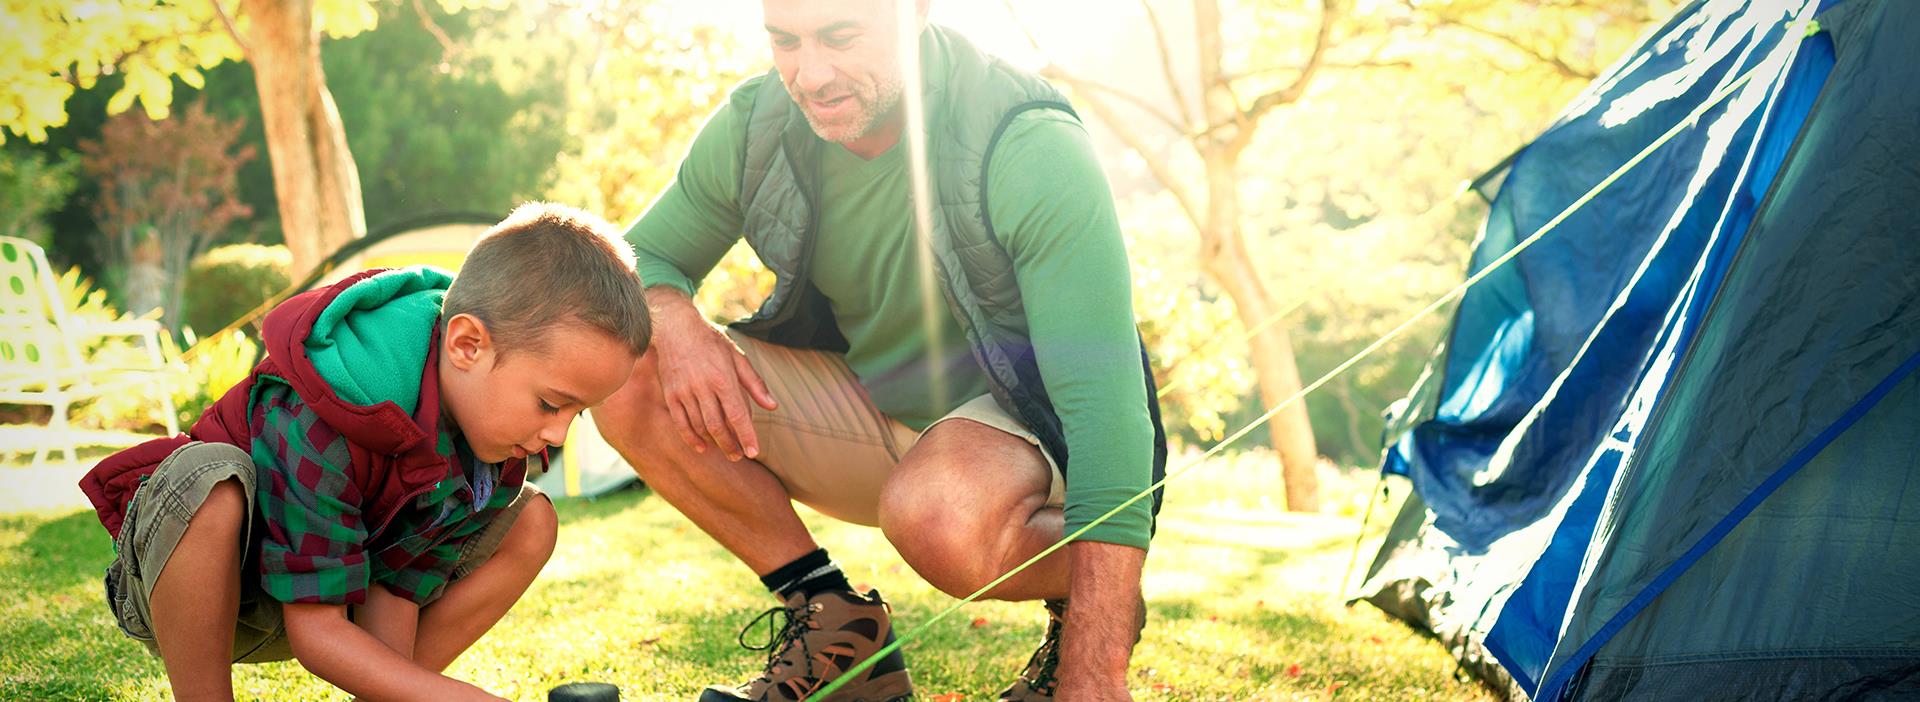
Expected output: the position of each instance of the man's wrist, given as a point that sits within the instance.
(1106, 610)
(664, 295)
(672, 308)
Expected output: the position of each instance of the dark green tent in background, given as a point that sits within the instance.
(1672, 450)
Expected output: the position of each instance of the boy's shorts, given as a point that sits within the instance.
(830, 446)
(157, 517)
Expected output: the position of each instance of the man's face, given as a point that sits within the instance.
(840, 60)
(522, 403)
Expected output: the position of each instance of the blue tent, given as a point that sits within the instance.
(1672, 449)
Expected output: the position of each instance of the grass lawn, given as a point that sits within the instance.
(1242, 602)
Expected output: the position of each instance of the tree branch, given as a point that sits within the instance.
(1298, 87)
(1088, 87)
(1555, 61)
(1085, 86)
(1325, 66)
(226, 20)
(1162, 170)
(1166, 66)
(448, 49)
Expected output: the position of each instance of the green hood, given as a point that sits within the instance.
(371, 342)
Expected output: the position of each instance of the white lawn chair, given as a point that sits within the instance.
(42, 359)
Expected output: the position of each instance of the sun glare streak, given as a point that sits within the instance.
(932, 298)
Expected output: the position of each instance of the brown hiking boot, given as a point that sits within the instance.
(1036, 683)
(823, 636)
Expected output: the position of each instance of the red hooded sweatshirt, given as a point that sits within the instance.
(393, 453)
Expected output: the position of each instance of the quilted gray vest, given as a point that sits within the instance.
(971, 98)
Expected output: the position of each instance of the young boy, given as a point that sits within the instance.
(360, 502)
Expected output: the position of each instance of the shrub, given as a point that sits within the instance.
(218, 363)
(231, 281)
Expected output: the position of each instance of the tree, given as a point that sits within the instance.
(641, 81)
(314, 178)
(31, 185)
(168, 189)
(441, 119)
(53, 47)
(1240, 65)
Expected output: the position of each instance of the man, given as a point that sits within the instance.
(952, 434)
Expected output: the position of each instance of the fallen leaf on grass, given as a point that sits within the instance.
(1293, 671)
(949, 697)
(979, 622)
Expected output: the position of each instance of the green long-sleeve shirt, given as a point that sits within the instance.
(1051, 209)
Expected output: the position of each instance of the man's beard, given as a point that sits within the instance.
(874, 104)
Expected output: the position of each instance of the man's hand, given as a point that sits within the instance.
(1103, 620)
(705, 379)
(344, 654)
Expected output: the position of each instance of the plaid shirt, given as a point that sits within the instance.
(316, 547)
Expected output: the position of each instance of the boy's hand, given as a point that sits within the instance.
(705, 379)
(340, 652)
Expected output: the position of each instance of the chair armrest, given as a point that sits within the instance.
(131, 327)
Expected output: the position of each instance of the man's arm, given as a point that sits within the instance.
(696, 218)
(342, 653)
(1105, 585)
(704, 378)
(1054, 213)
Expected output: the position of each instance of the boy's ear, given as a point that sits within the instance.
(466, 342)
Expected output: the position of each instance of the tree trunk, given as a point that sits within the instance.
(314, 176)
(1271, 352)
(1223, 252)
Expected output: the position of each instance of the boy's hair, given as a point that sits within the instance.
(548, 264)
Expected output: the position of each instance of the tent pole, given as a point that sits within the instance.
(1373, 498)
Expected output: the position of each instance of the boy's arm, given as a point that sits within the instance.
(313, 558)
(342, 653)
(392, 619)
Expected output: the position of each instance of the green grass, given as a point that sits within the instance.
(1242, 602)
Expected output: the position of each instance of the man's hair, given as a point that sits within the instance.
(547, 265)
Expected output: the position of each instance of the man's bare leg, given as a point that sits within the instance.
(741, 504)
(196, 598)
(968, 503)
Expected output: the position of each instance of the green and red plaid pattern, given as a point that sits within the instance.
(316, 547)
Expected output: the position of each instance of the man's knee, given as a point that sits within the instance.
(949, 546)
(633, 420)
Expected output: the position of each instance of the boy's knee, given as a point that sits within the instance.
(225, 506)
(535, 532)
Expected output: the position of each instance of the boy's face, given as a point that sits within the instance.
(519, 405)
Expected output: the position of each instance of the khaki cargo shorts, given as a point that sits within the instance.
(829, 445)
(157, 517)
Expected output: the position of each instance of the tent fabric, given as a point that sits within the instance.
(1653, 437)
